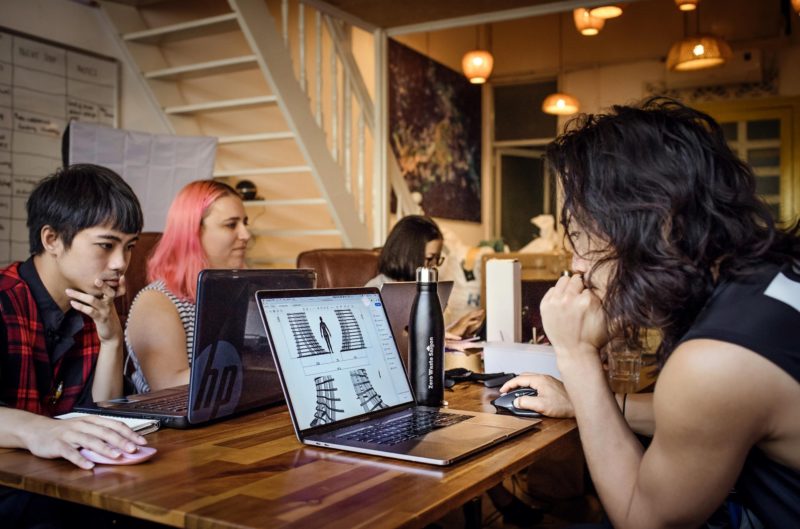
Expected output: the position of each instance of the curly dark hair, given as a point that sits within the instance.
(404, 249)
(677, 207)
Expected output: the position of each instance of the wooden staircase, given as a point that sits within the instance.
(280, 84)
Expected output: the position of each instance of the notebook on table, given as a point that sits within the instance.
(140, 426)
(346, 387)
(232, 370)
(398, 298)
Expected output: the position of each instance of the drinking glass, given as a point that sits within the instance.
(624, 366)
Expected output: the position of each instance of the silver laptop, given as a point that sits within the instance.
(346, 388)
(231, 371)
(398, 298)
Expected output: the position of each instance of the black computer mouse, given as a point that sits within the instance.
(505, 403)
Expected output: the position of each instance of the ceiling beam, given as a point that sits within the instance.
(558, 6)
(335, 12)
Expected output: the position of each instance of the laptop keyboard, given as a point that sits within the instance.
(416, 424)
(177, 403)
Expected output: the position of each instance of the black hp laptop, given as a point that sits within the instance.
(232, 370)
(346, 387)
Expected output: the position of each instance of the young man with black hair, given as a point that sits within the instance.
(668, 235)
(60, 337)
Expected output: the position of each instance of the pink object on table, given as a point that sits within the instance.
(141, 455)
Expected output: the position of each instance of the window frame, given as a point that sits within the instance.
(787, 110)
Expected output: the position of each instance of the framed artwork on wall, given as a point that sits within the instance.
(435, 133)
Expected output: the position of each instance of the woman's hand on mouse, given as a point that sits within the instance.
(552, 399)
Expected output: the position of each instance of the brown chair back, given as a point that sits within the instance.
(341, 267)
(136, 275)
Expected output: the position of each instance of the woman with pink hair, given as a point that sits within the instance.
(206, 228)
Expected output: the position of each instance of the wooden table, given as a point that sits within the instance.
(251, 471)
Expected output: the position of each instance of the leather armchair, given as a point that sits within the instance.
(341, 267)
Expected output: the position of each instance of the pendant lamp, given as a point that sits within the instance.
(606, 11)
(796, 6)
(697, 52)
(560, 103)
(688, 5)
(586, 24)
(477, 64)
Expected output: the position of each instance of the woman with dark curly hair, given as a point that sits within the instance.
(668, 235)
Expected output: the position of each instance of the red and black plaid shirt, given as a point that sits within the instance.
(30, 379)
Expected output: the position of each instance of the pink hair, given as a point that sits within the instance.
(179, 256)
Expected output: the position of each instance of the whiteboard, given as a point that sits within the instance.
(43, 85)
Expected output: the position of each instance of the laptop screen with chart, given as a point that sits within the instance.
(346, 387)
(329, 342)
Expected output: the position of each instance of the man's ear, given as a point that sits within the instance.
(50, 239)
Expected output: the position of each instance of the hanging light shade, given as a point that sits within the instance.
(586, 23)
(796, 6)
(687, 5)
(560, 104)
(477, 66)
(606, 11)
(696, 53)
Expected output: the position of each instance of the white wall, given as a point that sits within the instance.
(470, 233)
(599, 88)
(84, 27)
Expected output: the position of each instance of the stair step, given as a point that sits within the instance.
(263, 136)
(255, 171)
(287, 202)
(225, 104)
(202, 69)
(185, 30)
(294, 233)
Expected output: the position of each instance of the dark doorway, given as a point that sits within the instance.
(524, 192)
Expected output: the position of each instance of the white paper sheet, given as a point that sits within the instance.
(156, 166)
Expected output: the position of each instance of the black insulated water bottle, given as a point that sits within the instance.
(426, 341)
